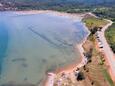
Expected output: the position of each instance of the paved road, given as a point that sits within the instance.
(107, 50)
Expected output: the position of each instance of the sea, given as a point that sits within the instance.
(31, 45)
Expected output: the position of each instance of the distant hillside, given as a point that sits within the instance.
(64, 1)
(56, 4)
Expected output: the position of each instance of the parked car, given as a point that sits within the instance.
(101, 47)
(98, 40)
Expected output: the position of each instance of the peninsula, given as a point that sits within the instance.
(57, 43)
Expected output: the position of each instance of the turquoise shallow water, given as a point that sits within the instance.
(32, 45)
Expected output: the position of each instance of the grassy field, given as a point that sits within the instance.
(110, 35)
(95, 72)
(107, 76)
(92, 22)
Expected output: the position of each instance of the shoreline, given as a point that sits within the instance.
(72, 67)
(73, 16)
(83, 61)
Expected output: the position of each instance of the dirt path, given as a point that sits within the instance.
(110, 57)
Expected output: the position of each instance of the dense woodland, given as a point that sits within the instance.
(62, 5)
(103, 8)
(110, 35)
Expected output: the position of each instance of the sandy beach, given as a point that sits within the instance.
(73, 16)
